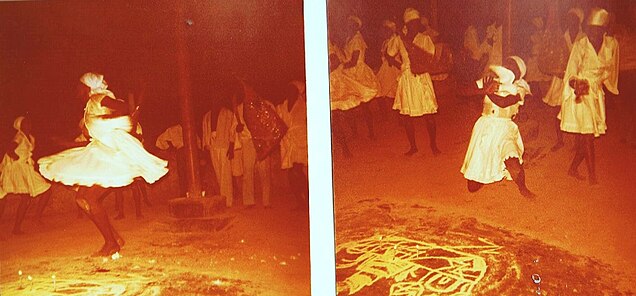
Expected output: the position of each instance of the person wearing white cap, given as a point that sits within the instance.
(415, 95)
(390, 69)
(355, 67)
(495, 150)
(19, 177)
(293, 146)
(113, 158)
(593, 64)
(554, 94)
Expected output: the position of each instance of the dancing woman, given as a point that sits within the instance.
(113, 158)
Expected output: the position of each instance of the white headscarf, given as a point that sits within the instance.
(17, 125)
(96, 83)
(411, 14)
(390, 24)
(578, 13)
(356, 20)
(598, 17)
(521, 64)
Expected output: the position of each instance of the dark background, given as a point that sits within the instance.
(45, 46)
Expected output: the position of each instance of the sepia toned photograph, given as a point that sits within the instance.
(153, 148)
(483, 147)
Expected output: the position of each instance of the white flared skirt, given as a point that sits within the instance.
(493, 141)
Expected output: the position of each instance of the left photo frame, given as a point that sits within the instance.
(161, 149)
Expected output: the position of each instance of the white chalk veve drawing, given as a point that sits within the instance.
(416, 267)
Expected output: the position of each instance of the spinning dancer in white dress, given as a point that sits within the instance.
(18, 176)
(496, 149)
(113, 158)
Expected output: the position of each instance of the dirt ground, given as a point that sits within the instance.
(578, 239)
(238, 251)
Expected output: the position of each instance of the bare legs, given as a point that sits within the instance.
(518, 175)
(339, 123)
(299, 185)
(90, 200)
(584, 145)
(431, 126)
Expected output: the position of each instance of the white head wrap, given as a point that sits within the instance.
(521, 64)
(356, 20)
(96, 83)
(578, 13)
(411, 14)
(17, 123)
(390, 24)
(598, 17)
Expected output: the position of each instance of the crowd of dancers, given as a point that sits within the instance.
(411, 60)
(108, 156)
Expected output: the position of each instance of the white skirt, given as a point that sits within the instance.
(347, 93)
(114, 161)
(388, 79)
(586, 117)
(20, 177)
(554, 95)
(493, 141)
(415, 94)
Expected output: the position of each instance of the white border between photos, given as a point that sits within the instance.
(321, 215)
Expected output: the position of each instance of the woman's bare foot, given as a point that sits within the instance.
(576, 175)
(107, 250)
(411, 151)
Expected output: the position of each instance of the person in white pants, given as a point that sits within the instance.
(220, 145)
(251, 165)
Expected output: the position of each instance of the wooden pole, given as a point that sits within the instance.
(507, 29)
(185, 95)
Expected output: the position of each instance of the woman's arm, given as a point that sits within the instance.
(120, 108)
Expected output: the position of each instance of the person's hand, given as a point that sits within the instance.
(490, 85)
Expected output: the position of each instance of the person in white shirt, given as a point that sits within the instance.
(251, 165)
(171, 140)
(218, 140)
(593, 64)
(293, 147)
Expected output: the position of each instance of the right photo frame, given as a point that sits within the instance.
(483, 147)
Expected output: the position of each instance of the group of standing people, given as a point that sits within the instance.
(232, 148)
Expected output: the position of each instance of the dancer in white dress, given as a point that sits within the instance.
(415, 95)
(293, 147)
(113, 158)
(390, 69)
(495, 150)
(593, 64)
(355, 67)
(344, 94)
(18, 175)
(554, 94)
